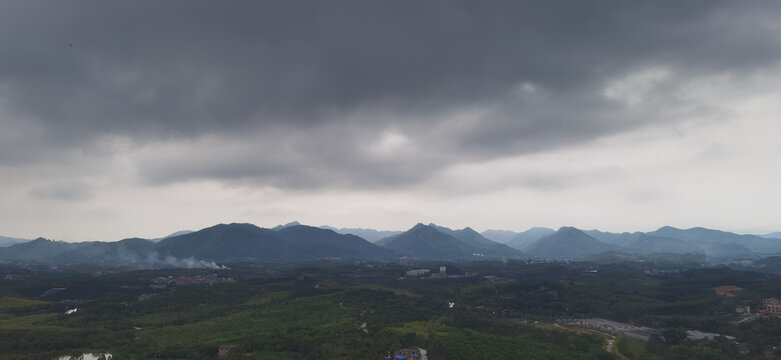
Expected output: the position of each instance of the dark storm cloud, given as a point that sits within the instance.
(280, 76)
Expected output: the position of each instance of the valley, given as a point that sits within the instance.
(366, 309)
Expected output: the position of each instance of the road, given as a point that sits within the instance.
(609, 345)
(610, 338)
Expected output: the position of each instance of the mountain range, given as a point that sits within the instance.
(436, 242)
(295, 242)
(8, 241)
(666, 239)
(219, 243)
(369, 234)
(567, 243)
(524, 239)
(773, 235)
(500, 236)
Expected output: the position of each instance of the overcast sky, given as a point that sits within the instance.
(141, 118)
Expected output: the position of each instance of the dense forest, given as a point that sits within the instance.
(364, 310)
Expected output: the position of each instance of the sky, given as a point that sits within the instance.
(122, 119)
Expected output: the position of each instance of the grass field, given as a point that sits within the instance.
(629, 348)
(9, 303)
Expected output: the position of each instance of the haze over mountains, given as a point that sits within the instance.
(522, 240)
(368, 234)
(225, 243)
(567, 243)
(8, 241)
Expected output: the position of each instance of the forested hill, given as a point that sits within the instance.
(295, 242)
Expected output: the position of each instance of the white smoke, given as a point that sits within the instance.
(153, 260)
(192, 263)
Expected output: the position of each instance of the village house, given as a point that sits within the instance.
(418, 272)
(224, 350)
(771, 306)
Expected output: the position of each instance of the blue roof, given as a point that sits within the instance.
(399, 357)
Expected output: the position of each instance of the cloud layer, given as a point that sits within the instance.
(354, 96)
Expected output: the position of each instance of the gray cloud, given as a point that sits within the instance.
(70, 191)
(300, 94)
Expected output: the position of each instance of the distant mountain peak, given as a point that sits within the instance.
(368, 234)
(568, 243)
(421, 226)
(667, 228)
(523, 240)
(438, 242)
(280, 227)
(177, 233)
(569, 228)
(180, 232)
(500, 236)
(240, 242)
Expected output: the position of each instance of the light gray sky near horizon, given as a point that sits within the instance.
(122, 119)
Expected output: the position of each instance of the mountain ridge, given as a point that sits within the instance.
(293, 242)
(568, 243)
(523, 240)
(8, 241)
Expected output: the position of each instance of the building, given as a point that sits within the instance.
(224, 350)
(418, 272)
(743, 310)
(409, 354)
(772, 306)
(699, 335)
(612, 327)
